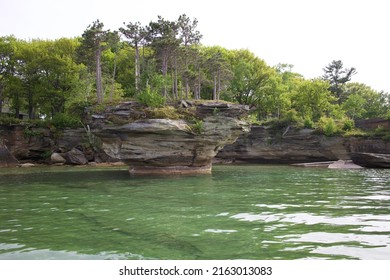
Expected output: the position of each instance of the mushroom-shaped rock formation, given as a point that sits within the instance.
(183, 145)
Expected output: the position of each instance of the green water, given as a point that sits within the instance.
(238, 212)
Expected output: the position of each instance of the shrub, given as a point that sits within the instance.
(308, 123)
(5, 120)
(151, 98)
(78, 108)
(327, 126)
(292, 117)
(62, 120)
(197, 127)
(381, 132)
(347, 124)
(30, 131)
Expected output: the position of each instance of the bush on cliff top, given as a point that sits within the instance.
(151, 98)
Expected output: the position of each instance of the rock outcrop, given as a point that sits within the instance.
(371, 160)
(264, 145)
(169, 146)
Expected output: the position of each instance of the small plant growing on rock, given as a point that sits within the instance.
(197, 127)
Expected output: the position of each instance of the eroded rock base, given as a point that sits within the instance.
(169, 170)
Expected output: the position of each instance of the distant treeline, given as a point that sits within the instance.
(165, 61)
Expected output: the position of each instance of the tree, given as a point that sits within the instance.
(136, 34)
(354, 106)
(338, 77)
(7, 59)
(93, 42)
(220, 71)
(162, 36)
(60, 76)
(254, 82)
(312, 99)
(364, 103)
(189, 37)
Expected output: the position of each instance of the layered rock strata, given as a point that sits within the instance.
(264, 145)
(169, 146)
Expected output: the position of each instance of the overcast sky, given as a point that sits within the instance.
(306, 33)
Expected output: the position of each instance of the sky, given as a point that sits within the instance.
(308, 34)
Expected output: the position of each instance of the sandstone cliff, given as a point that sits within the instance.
(264, 145)
(169, 146)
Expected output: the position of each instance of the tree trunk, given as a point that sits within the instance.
(219, 84)
(199, 83)
(176, 82)
(187, 88)
(1, 98)
(30, 105)
(113, 77)
(137, 69)
(186, 71)
(164, 72)
(99, 82)
(215, 87)
(17, 104)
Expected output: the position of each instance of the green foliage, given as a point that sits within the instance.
(65, 121)
(348, 124)
(30, 131)
(327, 126)
(77, 109)
(292, 117)
(355, 132)
(197, 127)
(311, 98)
(151, 98)
(162, 62)
(308, 123)
(6, 120)
(380, 132)
(338, 77)
(364, 103)
(252, 119)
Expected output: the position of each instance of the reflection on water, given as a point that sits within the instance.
(238, 212)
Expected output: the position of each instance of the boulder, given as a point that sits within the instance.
(56, 158)
(28, 164)
(75, 157)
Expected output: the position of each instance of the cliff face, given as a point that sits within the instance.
(165, 146)
(263, 145)
(150, 145)
(24, 144)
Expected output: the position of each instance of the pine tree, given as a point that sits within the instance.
(338, 77)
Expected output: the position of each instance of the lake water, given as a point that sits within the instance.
(238, 212)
